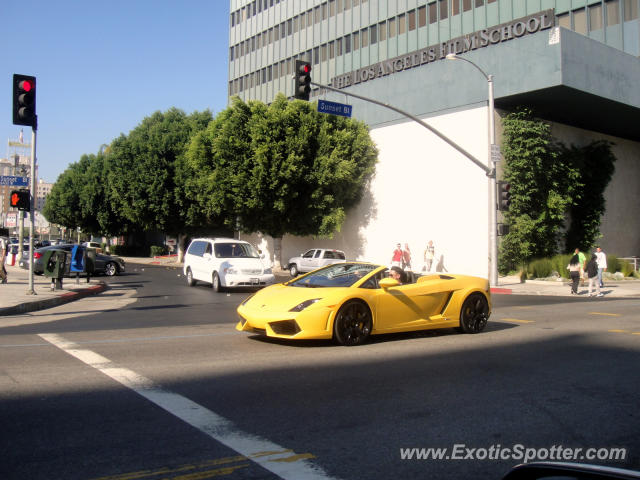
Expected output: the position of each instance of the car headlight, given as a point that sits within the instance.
(268, 271)
(303, 305)
(231, 271)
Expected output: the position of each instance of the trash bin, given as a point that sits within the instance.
(54, 266)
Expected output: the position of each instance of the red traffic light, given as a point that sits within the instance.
(26, 85)
(15, 199)
(20, 199)
(306, 68)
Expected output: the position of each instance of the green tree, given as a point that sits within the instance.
(595, 163)
(542, 189)
(282, 168)
(144, 170)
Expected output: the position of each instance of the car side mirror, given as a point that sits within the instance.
(388, 283)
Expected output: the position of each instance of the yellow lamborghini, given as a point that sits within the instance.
(350, 301)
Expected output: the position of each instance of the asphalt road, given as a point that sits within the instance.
(150, 380)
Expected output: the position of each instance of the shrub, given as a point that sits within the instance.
(157, 250)
(540, 268)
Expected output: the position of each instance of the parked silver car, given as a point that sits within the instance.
(313, 259)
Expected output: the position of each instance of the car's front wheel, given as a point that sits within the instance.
(110, 269)
(293, 270)
(474, 313)
(190, 280)
(215, 282)
(353, 323)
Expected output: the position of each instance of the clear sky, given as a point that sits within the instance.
(103, 66)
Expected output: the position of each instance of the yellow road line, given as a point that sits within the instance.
(517, 320)
(618, 331)
(606, 314)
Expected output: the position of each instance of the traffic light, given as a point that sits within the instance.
(504, 195)
(24, 100)
(303, 80)
(20, 199)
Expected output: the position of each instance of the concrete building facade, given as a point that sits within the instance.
(574, 62)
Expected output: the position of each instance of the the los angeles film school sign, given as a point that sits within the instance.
(480, 39)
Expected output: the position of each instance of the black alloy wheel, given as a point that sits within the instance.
(474, 313)
(353, 323)
(111, 269)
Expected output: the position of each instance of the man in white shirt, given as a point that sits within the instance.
(601, 258)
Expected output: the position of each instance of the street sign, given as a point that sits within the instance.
(334, 108)
(12, 181)
(495, 153)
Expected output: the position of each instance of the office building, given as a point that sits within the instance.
(574, 62)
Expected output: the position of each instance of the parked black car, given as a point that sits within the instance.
(104, 264)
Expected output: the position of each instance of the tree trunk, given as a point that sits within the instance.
(277, 253)
(181, 247)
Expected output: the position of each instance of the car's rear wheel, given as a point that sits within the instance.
(293, 270)
(190, 280)
(110, 269)
(474, 313)
(352, 325)
(215, 282)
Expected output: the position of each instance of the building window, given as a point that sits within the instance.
(433, 12)
(630, 10)
(412, 20)
(580, 21)
(339, 6)
(442, 4)
(316, 55)
(392, 27)
(323, 52)
(402, 27)
(422, 16)
(332, 8)
(382, 31)
(373, 34)
(479, 3)
(339, 47)
(613, 13)
(595, 17)
(332, 50)
(564, 20)
(316, 14)
(324, 11)
(455, 7)
(364, 37)
(347, 44)
(356, 41)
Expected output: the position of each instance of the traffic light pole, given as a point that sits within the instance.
(31, 291)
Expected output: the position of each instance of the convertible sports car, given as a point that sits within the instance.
(350, 301)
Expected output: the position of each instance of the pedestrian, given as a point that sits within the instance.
(592, 274)
(396, 258)
(574, 268)
(406, 257)
(602, 264)
(3, 256)
(583, 261)
(440, 266)
(429, 255)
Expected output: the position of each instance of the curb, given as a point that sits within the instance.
(501, 291)
(53, 302)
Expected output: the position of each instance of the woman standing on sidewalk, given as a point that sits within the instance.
(3, 257)
(574, 268)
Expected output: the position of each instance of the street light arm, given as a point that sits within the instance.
(453, 56)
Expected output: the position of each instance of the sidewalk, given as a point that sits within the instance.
(15, 300)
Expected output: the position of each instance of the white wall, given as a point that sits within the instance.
(423, 190)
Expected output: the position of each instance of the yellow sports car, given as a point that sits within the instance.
(350, 301)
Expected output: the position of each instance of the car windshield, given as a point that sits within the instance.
(336, 275)
(235, 250)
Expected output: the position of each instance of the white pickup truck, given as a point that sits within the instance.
(313, 259)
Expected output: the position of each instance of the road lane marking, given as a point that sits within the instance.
(618, 331)
(606, 314)
(517, 320)
(183, 469)
(205, 420)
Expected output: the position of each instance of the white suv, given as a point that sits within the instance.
(226, 263)
(314, 258)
